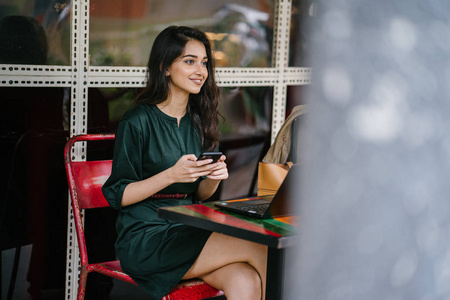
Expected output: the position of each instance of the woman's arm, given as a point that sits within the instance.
(208, 186)
(140, 190)
(187, 169)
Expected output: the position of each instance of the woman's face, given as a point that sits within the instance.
(189, 71)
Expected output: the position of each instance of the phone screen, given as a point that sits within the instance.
(210, 155)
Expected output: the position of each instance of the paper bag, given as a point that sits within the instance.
(270, 177)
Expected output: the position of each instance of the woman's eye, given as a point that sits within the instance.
(189, 61)
(204, 63)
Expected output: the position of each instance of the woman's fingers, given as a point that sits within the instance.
(189, 169)
(220, 172)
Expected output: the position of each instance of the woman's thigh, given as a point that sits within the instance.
(221, 250)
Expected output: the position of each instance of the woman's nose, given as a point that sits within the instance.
(201, 69)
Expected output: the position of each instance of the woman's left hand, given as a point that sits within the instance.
(219, 172)
(208, 186)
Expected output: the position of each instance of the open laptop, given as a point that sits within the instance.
(266, 207)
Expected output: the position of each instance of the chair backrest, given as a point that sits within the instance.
(85, 178)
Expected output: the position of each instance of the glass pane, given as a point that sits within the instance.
(246, 110)
(245, 136)
(122, 31)
(35, 32)
(302, 12)
(296, 95)
(107, 106)
(33, 182)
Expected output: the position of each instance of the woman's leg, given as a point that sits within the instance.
(238, 281)
(222, 250)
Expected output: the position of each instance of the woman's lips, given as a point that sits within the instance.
(197, 80)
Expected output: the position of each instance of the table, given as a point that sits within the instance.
(277, 234)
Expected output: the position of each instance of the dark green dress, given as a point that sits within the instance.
(155, 252)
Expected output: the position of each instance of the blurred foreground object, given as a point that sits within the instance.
(374, 207)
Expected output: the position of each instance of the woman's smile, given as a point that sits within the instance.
(198, 81)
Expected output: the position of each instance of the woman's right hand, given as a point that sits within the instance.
(189, 169)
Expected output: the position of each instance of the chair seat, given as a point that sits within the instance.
(186, 289)
(192, 289)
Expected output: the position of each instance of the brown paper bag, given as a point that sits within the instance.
(270, 177)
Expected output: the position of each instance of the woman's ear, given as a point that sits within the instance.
(161, 69)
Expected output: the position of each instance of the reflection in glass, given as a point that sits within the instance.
(246, 110)
(122, 32)
(240, 36)
(296, 95)
(35, 32)
(245, 138)
(302, 12)
(33, 201)
(22, 41)
(107, 106)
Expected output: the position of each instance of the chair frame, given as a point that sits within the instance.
(85, 179)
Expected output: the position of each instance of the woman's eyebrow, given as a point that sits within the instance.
(195, 56)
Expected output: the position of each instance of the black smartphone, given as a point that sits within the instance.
(210, 155)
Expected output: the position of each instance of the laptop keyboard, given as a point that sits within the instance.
(258, 208)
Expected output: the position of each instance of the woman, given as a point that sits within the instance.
(155, 164)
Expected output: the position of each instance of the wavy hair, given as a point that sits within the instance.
(203, 108)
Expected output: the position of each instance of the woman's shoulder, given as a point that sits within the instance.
(137, 113)
(137, 117)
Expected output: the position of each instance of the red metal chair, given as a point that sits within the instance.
(85, 180)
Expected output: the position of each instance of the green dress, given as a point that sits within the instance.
(155, 252)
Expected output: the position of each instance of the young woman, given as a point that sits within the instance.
(155, 164)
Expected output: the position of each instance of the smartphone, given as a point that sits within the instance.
(210, 155)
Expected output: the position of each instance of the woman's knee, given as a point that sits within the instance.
(246, 283)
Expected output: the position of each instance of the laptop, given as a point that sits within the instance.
(266, 207)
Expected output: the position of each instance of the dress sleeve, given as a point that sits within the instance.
(127, 163)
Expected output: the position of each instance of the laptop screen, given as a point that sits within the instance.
(283, 202)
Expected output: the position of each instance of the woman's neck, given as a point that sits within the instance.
(174, 107)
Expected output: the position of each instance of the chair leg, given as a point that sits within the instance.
(1, 271)
(82, 284)
(12, 282)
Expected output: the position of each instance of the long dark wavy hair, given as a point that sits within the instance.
(203, 108)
